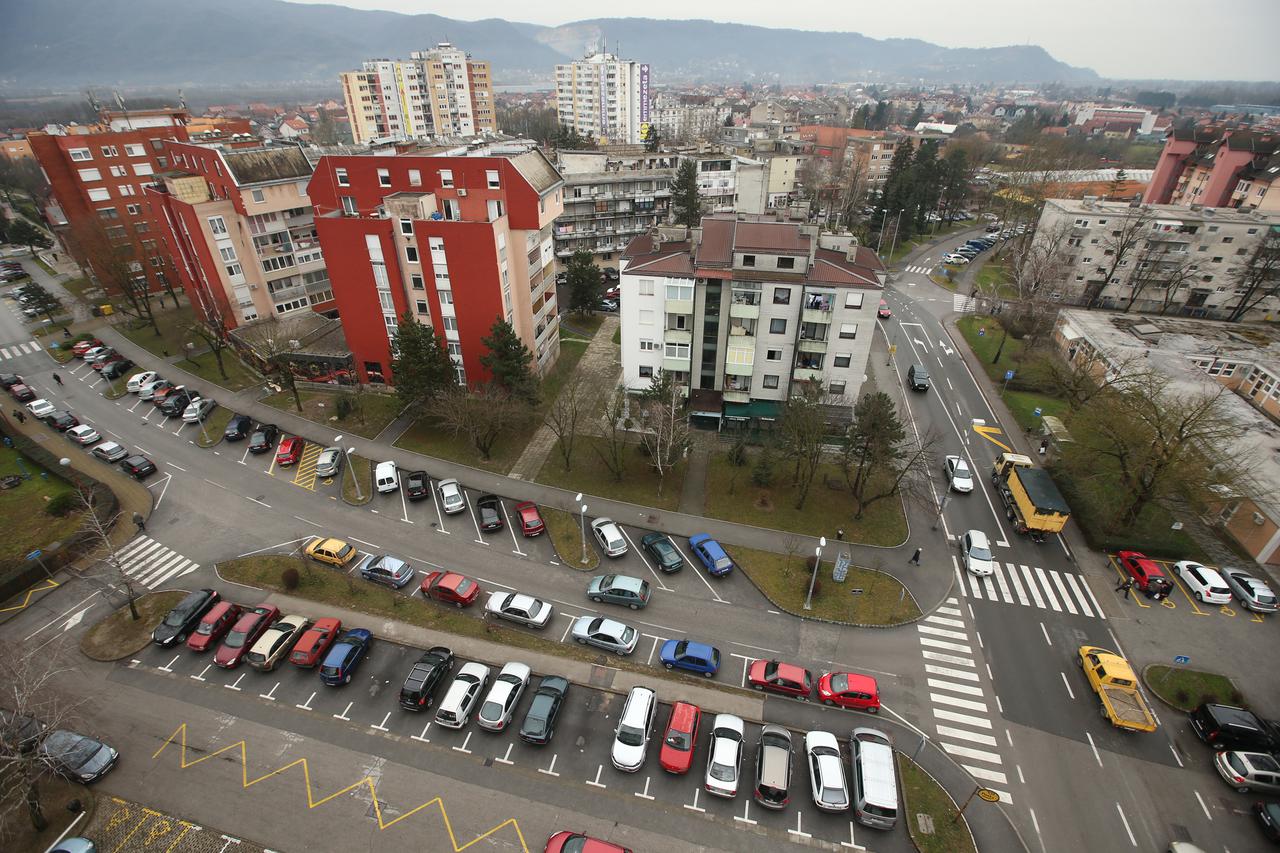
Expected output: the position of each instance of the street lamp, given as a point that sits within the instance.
(582, 522)
(808, 599)
(354, 475)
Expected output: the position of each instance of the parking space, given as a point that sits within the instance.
(577, 757)
(1181, 599)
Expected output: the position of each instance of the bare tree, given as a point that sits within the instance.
(1160, 268)
(1080, 379)
(571, 407)
(273, 342)
(879, 459)
(612, 449)
(1038, 266)
(484, 414)
(112, 259)
(212, 329)
(107, 571)
(1118, 248)
(802, 435)
(664, 427)
(1258, 278)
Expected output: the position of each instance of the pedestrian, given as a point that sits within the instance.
(915, 558)
(839, 534)
(139, 521)
(57, 378)
(1125, 586)
(19, 417)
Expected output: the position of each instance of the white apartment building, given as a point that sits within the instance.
(610, 197)
(743, 309)
(604, 98)
(682, 122)
(731, 182)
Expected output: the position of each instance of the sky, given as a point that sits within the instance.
(1148, 39)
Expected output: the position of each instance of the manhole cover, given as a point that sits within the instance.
(926, 823)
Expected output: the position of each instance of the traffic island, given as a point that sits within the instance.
(357, 480)
(934, 822)
(1187, 689)
(215, 425)
(567, 536)
(116, 388)
(120, 635)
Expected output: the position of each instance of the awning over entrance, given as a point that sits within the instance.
(705, 404)
(765, 410)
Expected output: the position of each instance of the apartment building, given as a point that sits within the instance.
(610, 197)
(1183, 260)
(97, 180)
(863, 156)
(239, 226)
(684, 119)
(1204, 165)
(731, 182)
(455, 240)
(743, 309)
(604, 98)
(437, 92)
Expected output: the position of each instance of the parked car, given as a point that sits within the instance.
(690, 656)
(83, 435)
(138, 467)
(149, 390)
(454, 710)
(137, 380)
(290, 450)
(619, 589)
(8, 380)
(519, 608)
(417, 485)
(530, 519)
(773, 768)
(607, 634)
(724, 756)
(504, 694)
(776, 676)
(329, 462)
(1252, 593)
(1268, 819)
(251, 625)
(427, 674)
(335, 552)
(237, 428)
(90, 353)
(264, 438)
(1146, 574)
(565, 841)
(22, 392)
(110, 451)
(539, 724)
(76, 756)
(663, 551)
(875, 781)
(954, 259)
(1229, 727)
(959, 477)
(175, 404)
(676, 755)
(975, 553)
(315, 642)
(635, 725)
(183, 618)
(451, 496)
(198, 410)
(61, 420)
(384, 477)
(79, 348)
(711, 555)
(1205, 583)
(345, 656)
(113, 370)
(386, 570)
(276, 642)
(826, 771)
(489, 508)
(216, 622)
(850, 690)
(1249, 771)
(450, 588)
(609, 537)
(164, 392)
(39, 408)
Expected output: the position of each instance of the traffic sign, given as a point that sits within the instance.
(1037, 412)
(989, 795)
(1184, 659)
(35, 555)
(841, 569)
(1008, 374)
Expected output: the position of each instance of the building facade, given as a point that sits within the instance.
(1204, 165)
(685, 119)
(457, 242)
(610, 197)
(604, 98)
(744, 309)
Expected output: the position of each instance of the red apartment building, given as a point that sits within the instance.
(456, 241)
(98, 178)
(1204, 165)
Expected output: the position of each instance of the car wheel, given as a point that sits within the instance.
(346, 679)
(708, 674)
(458, 604)
(669, 665)
(596, 599)
(1199, 597)
(1244, 789)
(582, 642)
(634, 606)
(756, 687)
(621, 652)
(829, 703)
(873, 710)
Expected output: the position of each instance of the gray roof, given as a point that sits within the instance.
(537, 170)
(264, 165)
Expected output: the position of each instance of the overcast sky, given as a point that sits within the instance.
(1180, 39)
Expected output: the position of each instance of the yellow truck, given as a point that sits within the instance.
(1031, 499)
(1113, 680)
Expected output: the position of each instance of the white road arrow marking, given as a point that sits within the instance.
(74, 620)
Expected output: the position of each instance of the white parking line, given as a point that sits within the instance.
(515, 543)
(435, 499)
(695, 567)
(404, 503)
(643, 559)
(1070, 692)
(465, 741)
(362, 542)
(472, 512)
(645, 795)
(1094, 747)
(1125, 821)
(550, 769)
(1203, 807)
(306, 706)
(343, 715)
(597, 782)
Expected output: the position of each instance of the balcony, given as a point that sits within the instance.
(677, 336)
(737, 396)
(816, 312)
(273, 250)
(740, 361)
(807, 374)
(742, 334)
(744, 310)
(679, 306)
(680, 364)
(814, 345)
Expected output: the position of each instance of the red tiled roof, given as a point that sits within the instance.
(770, 237)
(716, 248)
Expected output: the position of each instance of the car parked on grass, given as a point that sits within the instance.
(264, 438)
(329, 462)
(276, 642)
(975, 553)
(138, 467)
(609, 537)
(519, 608)
(959, 477)
(619, 589)
(454, 710)
(504, 694)
(238, 427)
(198, 410)
(663, 551)
(531, 523)
(539, 724)
(315, 642)
(345, 656)
(826, 772)
(110, 451)
(335, 552)
(216, 622)
(604, 633)
(417, 485)
(76, 756)
(83, 435)
(850, 690)
(489, 508)
(635, 725)
(1205, 583)
(137, 380)
(724, 756)
(290, 450)
(1145, 573)
(180, 621)
(676, 755)
(1252, 593)
(427, 674)
(251, 625)
(690, 656)
(452, 499)
(711, 555)
(450, 588)
(776, 676)
(386, 570)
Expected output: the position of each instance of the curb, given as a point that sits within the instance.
(906, 806)
(790, 612)
(124, 606)
(1147, 683)
(350, 467)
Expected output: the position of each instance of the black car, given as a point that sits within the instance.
(1269, 819)
(8, 380)
(78, 756)
(176, 404)
(427, 674)
(140, 467)
(238, 427)
(417, 485)
(116, 369)
(61, 421)
(264, 438)
(663, 550)
(490, 512)
(540, 720)
(1225, 727)
(184, 617)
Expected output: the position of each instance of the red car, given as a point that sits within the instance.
(105, 359)
(82, 347)
(681, 736)
(577, 842)
(311, 646)
(451, 588)
(850, 690)
(213, 625)
(290, 450)
(778, 677)
(248, 628)
(1146, 573)
(22, 393)
(530, 519)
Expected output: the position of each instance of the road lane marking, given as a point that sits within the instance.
(1123, 820)
(1094, 746)
(1070, 692)
(1066, 599)
(1031, 586)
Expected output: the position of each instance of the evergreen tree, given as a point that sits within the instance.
(917, 115)
(925, 185)
(897, 187)
(651, 138)
(862, 117)
(23, 233)
(686, 204)
(420, 362)
(326, 131)
(585, 283)
(41, 300)
(508, 359)
(879, 118)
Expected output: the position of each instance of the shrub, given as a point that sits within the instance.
(737, 454)
(1181, 696)
(1208, 699)
(344, 406)
(289, 579)
(1237, 699)
(762, 471)
(60, 505)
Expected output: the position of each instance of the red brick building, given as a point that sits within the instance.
(456, 241)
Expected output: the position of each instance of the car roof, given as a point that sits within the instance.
(790, 671)
(979, 539)
(858, 681)
(626, 582)
(728, 721)
(821, 738)
(474, 668)
(682, 714)
(702, 650)
(521, 600)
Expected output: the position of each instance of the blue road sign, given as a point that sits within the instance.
(1181, 659)
(1037, 412)
(35, 555)
(840, 570)
(1008, 374)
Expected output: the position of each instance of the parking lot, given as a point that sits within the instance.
(1181, 600)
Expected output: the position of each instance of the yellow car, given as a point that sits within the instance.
(335, 552)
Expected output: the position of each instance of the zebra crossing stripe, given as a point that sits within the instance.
(989, 587)
(1048, 589)
(1066, 599)
(985, 773)
(1084, 605)
(166, 561)
(956, 702)
(950, 673)
(941, 658)
(1031, 586)
(4, 352)
(36, 344)
(966, 719)
(941, 620)
(950, 611)
(967, 689)
(943, 644)
(134, 545)
(1084, 582)
(1004, 589)
(974, 587)
(973, 754)
(1017, 584)
(942, 632)
(142, 567)
(182, 567)
(964, 734)
(147, 550)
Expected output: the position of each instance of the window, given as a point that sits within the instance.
(141, 169)
(415, 280)
(647, 345)
(1242, 251)
(1228, 239)
(446, 177)
(842, 360)
(451, 324)
(415, 178)
(108, 213)
(455, 350)
(90, 175)
(682, 292)
(848, 331)
(80, 154)
(676, 350)
(134, 210)
(348, 205)
(135, 150)
(217, 225)
(258, 196)
(1217, 259)
(646, 371)
(646, 287)
(773, 355)
(786, 263)
(421, 305)
(126, 189)
(492, 177)
(411, 254)
(302, 189)
(646, 317)
(228, 252)
(782, 296)
(778, 326)
(341, 175)
(494, 208)
(771, 380)
(110, 151)
(445, 296)
(748, 260)
(406, 227)
(853, 299)
(836, 387)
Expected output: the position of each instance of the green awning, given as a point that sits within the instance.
(764, 409)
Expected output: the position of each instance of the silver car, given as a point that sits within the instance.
(608, 634)
(826, 772)
(958, 474)
(503, 697)
(329, 463)
(520, 608)
(451, 496)
(109, 451)
(609, 535)
(386, 570)
(1253, 594)
(1249, 771)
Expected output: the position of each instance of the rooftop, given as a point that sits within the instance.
(1165, 211)
(264, 165)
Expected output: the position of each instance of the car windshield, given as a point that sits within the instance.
(177, 616)
(464, 587)
(627, 636)
(205, 628)
(977, 553)
(831, 796)
(722, 772)
(235, 639)
(629, 736)
(724, 563)
(329, 670)
(678, 740)
(75, 754)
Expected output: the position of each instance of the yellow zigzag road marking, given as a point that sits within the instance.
(47, 583)
(312, 802)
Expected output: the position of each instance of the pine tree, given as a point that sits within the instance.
(508, 359)
(686, 205)
(24, 233)
(897, 189)
(651, 138)
(880, 118)
(420, 362)
(917, 115)
(585, 283)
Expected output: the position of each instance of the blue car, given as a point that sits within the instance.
(691, 656)
(713, 557)
(345, 656)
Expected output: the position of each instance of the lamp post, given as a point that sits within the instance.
(808, 599)
(354, 475)
(582, 521)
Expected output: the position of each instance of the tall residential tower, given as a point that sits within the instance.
(604, 98)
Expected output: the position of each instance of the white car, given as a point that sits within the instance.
(724, 757)
(40, 408)
(520, 608)
(609, 535)
(635, 725)
(147, 390)
(110, 451)
(826, 772)
(1205, 583)
(500, 704)
(84, 435)
(975, 552)
(608, 634)
(93, 352)
(958, 474)
(454, 710)
(451, 496)
(958, 260)
(198, 410)
(137, 380)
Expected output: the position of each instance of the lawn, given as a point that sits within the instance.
(205, 366)
(983, 334)
(55, 793)
(588, 474)
(583, 325)
(784, 579)
(358, 469)
(80, 288)
(173, 332)
(215, 423)
(120, 635)
(1187, 689)
(27, 502)
(1023, 404)
(947, 279)
(322, 407)
(1153, 533)
(922, 795)
(993, 277)
(565, 530)
(732, 496)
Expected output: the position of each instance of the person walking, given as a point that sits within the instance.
(139, 521)
(839, 534)
(19, 417)
(915, 558)
(57, 378)
(1125, 586)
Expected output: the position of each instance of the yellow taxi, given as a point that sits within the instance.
(335, 552)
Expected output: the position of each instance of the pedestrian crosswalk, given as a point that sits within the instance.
(1031, 586)
(151, 564)
(957, 700)
(919, 269)
(962, 304)
(16, 350)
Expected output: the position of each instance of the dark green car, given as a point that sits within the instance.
(663, 551)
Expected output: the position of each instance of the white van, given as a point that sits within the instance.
(384, 477)
(875, 782)
(460, 699)
(635, 724)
